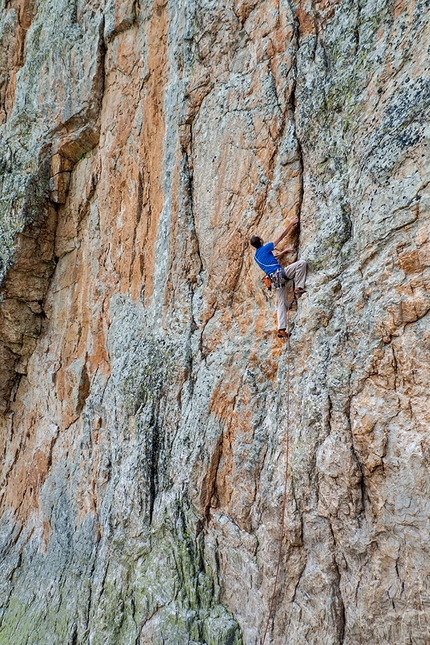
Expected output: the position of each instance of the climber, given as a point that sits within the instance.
(279, 275)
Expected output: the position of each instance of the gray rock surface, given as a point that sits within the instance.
(143, 390)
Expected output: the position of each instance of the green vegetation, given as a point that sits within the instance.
(162, 578)
(169, 581)
(146, 375)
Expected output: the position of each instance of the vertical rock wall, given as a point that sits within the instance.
(143, 390)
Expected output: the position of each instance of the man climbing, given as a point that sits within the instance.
(279, 275)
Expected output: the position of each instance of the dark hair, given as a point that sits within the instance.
(255, 241)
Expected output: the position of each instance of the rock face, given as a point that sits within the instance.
(143, 391)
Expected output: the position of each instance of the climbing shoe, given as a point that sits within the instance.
(282, 333)
(299, 292)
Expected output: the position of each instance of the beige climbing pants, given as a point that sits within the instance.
(297, 272)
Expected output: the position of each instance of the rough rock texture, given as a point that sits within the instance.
(142, 388)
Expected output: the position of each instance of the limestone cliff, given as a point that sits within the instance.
(142, 388)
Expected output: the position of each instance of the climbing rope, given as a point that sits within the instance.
(284, 503)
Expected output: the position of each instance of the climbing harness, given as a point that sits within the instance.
(284, 502)
(275, 280)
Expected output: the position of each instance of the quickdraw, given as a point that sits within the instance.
(275, 280)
